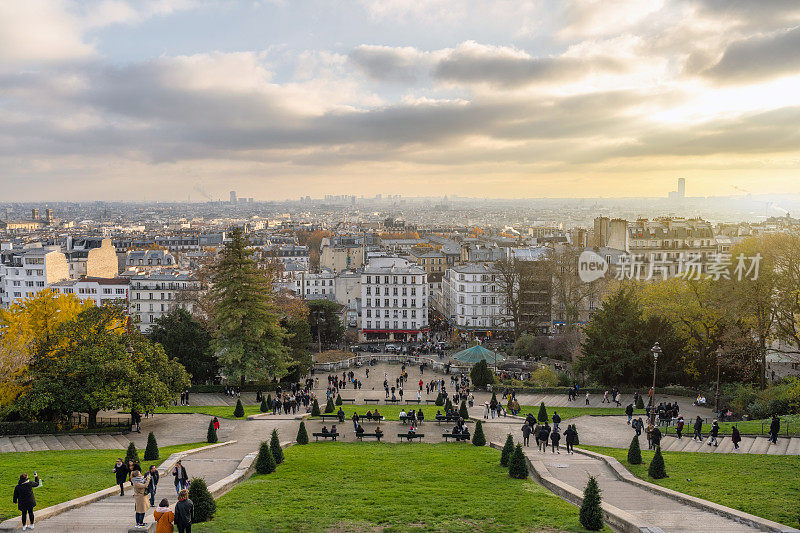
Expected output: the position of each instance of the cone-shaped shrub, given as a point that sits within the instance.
(204, 504)
(478, 438)
(508, 450)
(440, 399)
(634, 452)
(264, 407)
(265, 462)
(517, 467)
(302, 434)
(462, 411)
(238, 412)
(542, 416)
(448, 406)
(315, 408)
(275, 446)
(151, 452)
(329, 408)
(338, 399)
(591, 514)
(577, 439)
(493, 401)
(132, 454)
(269, 401)
(211, 436)
(657, 470)
(639, 403)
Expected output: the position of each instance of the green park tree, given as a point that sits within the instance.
(132, 454)
(264, 407)
(186, 340)
(591, 513)
(542, 416)
(463, 412)
(151, 452)
(480, 374)
(204, 504)
(517, 466)
(439, 399)
(238, 411)
(508, 451)
(315, 408)
(657, 470)
(275, 447)
(338, 399)
(265, 461)
(302, 434)
(330, 329)
(329, 407)
(478, 438)
(634, 452)
(211, 435)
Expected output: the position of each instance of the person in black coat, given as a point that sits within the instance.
(569, 437)
(556, 421)
(526, 433)
(698, 429)
(184, 512)
(656, 436)
(555, 436)
(736, 438)
(121, 471)
(152, 486)
(714, 433)
(24, 498)
(181, 477)
(774, 429)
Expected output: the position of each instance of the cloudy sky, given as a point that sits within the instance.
(155, 99)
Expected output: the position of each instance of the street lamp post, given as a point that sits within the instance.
(716, 393)
(656, 349)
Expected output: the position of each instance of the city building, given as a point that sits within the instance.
(24, 272)
(154, 294)
(98, 290)
(472, 300)
(394, 300)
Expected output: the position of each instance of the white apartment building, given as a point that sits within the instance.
(319, 285)
(471, 298)
(155, 294)
(149, 259)
(98, 290)
(394, 300)
(24, 272)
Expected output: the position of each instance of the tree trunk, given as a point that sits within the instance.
(93, 418)
(763, 348)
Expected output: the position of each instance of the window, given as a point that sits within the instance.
(369, 324)
(369, 280)
(40, 283)
(369, 302)
(413, 313)
(405, 302)
(369, 313)
(369, 290)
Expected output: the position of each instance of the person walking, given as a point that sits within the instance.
(569, 438)
(698, 429)
(774, 429)
(121, 471)
(164, 517)
(137, 419)
(736, 438)
(656, 437)
(184, 512)
(714, 433)
(216, 423)
(555, 437)
(152, 487)
(486, 410)
(526, 434)
(629, 412)
(24, 498)
(679, 427)
(587, 397)
(556, 421)
(181, 478)
(141, 505)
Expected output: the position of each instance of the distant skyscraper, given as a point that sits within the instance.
(233, 197)
(681, 187)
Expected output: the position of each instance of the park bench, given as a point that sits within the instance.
(411, 437)
(406, 418)
(362, 418)
(376, 436)
(413, 401)
(392, 400)
(326, 416)
(325, 435)
(370, 400)
(429, 401)
(348, 400)
(447, 418)
(461, 437)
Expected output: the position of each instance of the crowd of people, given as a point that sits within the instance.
(543, 434)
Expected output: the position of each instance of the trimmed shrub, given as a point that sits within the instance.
(478, 438)
(264, 407)
(448, 406)
(480, 374)
(151, 452)
(315, 408)
(634, 452)
(211, 436)
(275, 446)
(657, 470)
(204, 504)
(591, 514)
(329, 408)
(508, 450)
(577, 438)
(132, 454)
(238, 412)
(269, 401)
(517, 467)
(265, 462)
(463, 412)
(542, 416)
(302, 434)
(439, 399)
(493, 401)
(338, 399)
(639, 403)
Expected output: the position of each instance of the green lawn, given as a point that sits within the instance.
(573, 412)
(66, 474)
(751, 427)
(428, 487)
(763, 485)
(220, 411)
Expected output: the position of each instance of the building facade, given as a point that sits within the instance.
(394, 296)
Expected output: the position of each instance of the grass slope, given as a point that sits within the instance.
(337, 487)
(66, 474)
(220, 411)
(763, 485)
(751, 427)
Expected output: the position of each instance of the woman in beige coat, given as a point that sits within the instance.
(139, 497)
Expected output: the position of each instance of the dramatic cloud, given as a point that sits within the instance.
(759, 58)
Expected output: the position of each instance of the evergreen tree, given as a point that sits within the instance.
(248, 337)
(493, 401)
(269, 401)
(481, 375)
(151, 452)
(265, 461)
(315, 408)
(264, 407)
(508, 450)
(338, 399)
(517, 466)
(238, 412)
(439, 399)
(542, 416)
(211, 436)
(302, 434)
(657, 470)
(204, 504)
(448, 406)
(187, 340)
(577, 437)
(478, 438)
(634, 452)
(275, 446)
(591, 514)
(463, 412)
(132, 454)
(329, 408)
(639, 402)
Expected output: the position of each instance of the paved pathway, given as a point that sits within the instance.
(650, 508)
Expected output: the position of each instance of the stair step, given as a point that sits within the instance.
(780, 448)
(761, 445)
(794, 446)
(97, 442)
(36, 443)
(68, 442)
(82, 442)
(725, 445)
(21, 444)
(122, 441)
(746, 444)
(52, 443)
(5, 445)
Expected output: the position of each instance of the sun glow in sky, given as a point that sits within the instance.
(126, 100)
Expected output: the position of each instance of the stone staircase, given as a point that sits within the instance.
(38, 443)
(785, 446)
